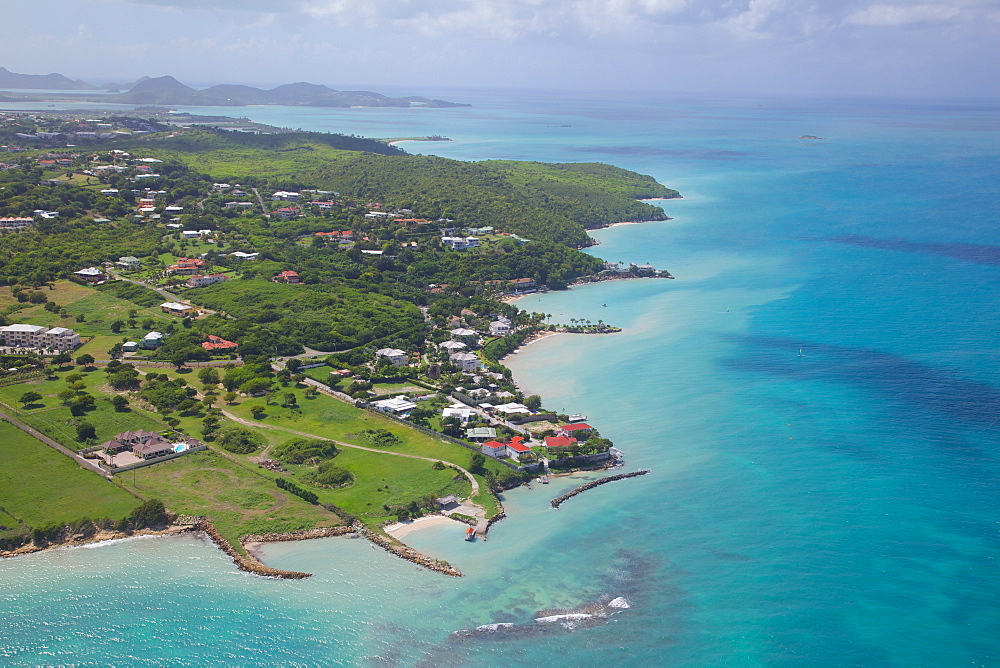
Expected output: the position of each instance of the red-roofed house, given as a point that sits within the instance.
(287, 277)
(560, 442)
(516, 448)
(494, 449)
(578, 429)
(217, 343)
(186, 265)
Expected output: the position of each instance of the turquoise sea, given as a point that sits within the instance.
(817, 395)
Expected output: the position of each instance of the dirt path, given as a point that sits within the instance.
(262, 425)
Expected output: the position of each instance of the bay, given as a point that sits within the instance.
(816, 395)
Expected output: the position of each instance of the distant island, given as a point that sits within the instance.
(167, 90)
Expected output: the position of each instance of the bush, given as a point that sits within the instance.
(305, 450)
(331, 475)
(240, 441)
(148, 514)
(296, 490)
(380, 437)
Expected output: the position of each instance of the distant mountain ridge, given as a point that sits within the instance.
(167, 90)
(52, 81)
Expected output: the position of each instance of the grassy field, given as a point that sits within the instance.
(40, 486)
(99, 310)
(239, 499)
(54, 419)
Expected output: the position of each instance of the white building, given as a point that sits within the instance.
(466, 361)
(460, 243)
(464, 335)
(395, 406)
(500, 327)
(285, 196)
(463, 413)
(452, 346)
(36, 336)
(394, 355)
(198, 281)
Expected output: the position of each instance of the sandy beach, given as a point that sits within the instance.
(400, 529)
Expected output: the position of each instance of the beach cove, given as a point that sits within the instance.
(834, 506)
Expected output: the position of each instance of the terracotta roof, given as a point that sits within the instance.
(580, 426)
(559, 442)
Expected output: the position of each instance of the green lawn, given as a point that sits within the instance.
(239, 499)
(385, 480)
(40, 486)
(54, 419)
(98, 308)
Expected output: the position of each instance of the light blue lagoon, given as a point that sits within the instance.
(816, 395)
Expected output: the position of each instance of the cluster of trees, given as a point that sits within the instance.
(329, 475)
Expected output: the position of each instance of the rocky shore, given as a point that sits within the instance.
(98, 537)
(248, 563)
(403, 552)
(556, 502)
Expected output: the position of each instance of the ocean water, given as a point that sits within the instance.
(816, 395)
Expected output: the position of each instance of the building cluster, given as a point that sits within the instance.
(146, 445)
(37, 336)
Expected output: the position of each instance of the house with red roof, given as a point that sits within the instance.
(516, 448)
(287, 277)
(186, 265)
(580, 429)
(218, 344)
(494, 449)
(553, 442)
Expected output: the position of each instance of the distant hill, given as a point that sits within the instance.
(10, 79)
(167, 90)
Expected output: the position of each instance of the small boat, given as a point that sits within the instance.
(544, 479)
(800, 353)
(604, 305)
(470, 534)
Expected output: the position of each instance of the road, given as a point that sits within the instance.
(85, 463)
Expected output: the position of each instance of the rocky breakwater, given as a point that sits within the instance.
(304, 534)
(247, 563)
(558, 501)
(404, 552)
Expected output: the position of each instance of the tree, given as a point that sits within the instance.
(62, 358)
(257, 411)
(29, 398)
(117, 326)
(85, 431)
(120, 403)
(66, 395)
(229, 397)
(208, 376)
(179, 358)
(289, 400)
(534, 402)
(477, 462)
(81, 404)
(85, 359)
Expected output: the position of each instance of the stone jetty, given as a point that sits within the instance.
(556, 502)
(403, 552)
(247, 563)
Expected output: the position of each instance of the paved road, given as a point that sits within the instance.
(56, 445)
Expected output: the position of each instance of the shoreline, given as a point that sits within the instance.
(399, 529)
(97, 539)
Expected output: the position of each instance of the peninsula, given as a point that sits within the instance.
(267, 336)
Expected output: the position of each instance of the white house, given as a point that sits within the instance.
(465, 335)
(394, 355)
(500, 327)
(460, 243)
(452, 346)
(512, 409)
(198, 281)
(90, 274)
(466, 361)
(395, 406)
(463, 413)
(285, 196)
(240, 255)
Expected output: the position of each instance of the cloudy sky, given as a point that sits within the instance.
(935, 48)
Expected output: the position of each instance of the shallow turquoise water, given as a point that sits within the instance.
(838, 507)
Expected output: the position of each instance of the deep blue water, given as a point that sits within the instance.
(816, 394)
